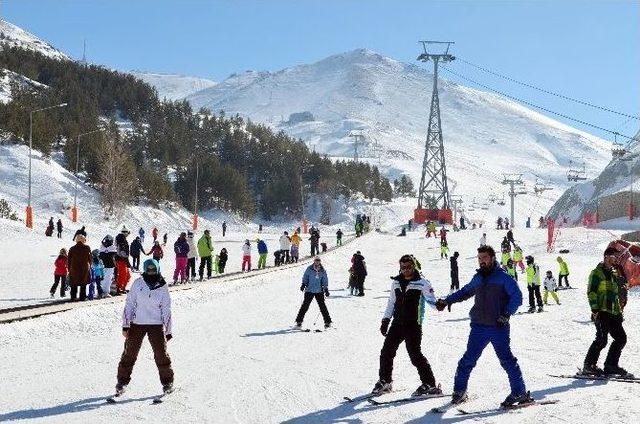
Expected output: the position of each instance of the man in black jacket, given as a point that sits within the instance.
(409, 292)
(359, 272)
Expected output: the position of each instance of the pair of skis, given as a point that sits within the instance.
(616, 378)
(372, 398)
(466, 411)
(156, 400)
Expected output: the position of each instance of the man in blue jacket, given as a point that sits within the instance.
(315, 284)
(497, 297)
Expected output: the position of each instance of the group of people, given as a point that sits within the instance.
(51, 227)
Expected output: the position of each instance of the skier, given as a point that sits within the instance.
(147, 311)
(359, 270)
(285, 245)
(339, 237)
(60, 273)
(205, 250)
(49, 231)
(192, 256)
(154, 234)
(517, 257)
(409, 292)
(156, 252)
(510, 269)
(107, 254)
(165, 237)
(483, 240)
(122, 261)
(81, 231)
(59, 227)
(315, 284)
(506, 223)
(499, 223)
(497, 297)
(260, 228)
(135, 250)
(455, 282)
(79, 263)
(528, 224)
(295, 246)
(224, 228)
(315, 241)
(431, 229)
(563, 272)
(550, 287)
(222, 261)
(462, 224)
(246, 256)
(505, 258)
(505, 246)
(262, 253)
(444, 250)
(443, 234)
(97, 275)
(533, 284)
(604, 293)
(181, 249)
(510, 238)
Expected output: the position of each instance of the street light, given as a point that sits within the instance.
(29, 220)
(195, 201)
(74, 210)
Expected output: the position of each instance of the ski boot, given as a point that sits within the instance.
(167, 388)
(297, 325)
(459, 397)
(591, 370)
(531, 310)
(616, 371)
(381, 387)
(426, 390)
(327, 325)
(513, 400)
(540, 309)
(120, 388)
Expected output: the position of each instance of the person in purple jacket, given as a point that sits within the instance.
(181, 248)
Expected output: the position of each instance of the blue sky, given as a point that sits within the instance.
(586, 49)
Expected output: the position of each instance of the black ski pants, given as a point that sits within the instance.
(565, 278)
(191, 267)
(314, 249)
(455, 282)
(205, 260)
(606, 324)
(58, 279)
(308, 297)
(411, 334)
(74, 291)
(136, 262)
(534, 291)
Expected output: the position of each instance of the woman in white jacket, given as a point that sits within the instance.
(147, 311)
(550, 286)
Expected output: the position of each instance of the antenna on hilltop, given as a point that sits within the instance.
(84, 52)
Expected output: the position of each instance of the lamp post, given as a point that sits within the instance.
(29, 220)
(195, 201)
(74, 210)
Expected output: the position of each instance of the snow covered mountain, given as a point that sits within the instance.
(14, 36)
(619, 175)
(485, 135)
(174, 87)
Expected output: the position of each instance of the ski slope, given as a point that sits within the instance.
(236, 361)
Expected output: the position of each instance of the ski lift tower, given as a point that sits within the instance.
(433, 188)
(357, 138)
(513, 181)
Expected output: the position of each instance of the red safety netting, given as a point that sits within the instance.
(442, 216)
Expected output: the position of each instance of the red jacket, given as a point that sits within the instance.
(61, 266)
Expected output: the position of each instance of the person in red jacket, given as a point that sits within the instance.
(60, 273)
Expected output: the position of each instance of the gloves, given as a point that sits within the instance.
(125, 332)
(441, 304)
(302, 287)
(594, 316)
(384, 326)
(503, 320)
(326, 292)
(168, 337)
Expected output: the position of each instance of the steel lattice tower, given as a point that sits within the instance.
(433, 182)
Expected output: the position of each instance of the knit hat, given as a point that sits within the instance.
(151, 263)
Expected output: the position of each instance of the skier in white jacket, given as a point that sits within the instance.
(483, 240)
(147, 311)
(191, 257)
(246, 255)
(285, 246)
(550, 287)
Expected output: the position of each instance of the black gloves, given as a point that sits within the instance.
(326, 292)
(168, 337)
(441, 304)
(384, 326)
(503, 320)
(594, 315)
(302, 287)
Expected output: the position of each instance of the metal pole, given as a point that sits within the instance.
(30, 147)
(75, 195)
(512, 193)
(195, 201)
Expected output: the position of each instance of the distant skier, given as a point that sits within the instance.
(517, 257)
(82, 232)
(339, 237)
(359, 270)
(443, 234)
(97, 275)
(462, 224)
(181, 249)
(60, 273)
(455, 282)
(165, 238)
(192, 257)
(563, 272)
(510, 269)
(497, 297)
(263, 251)
(246, 256)
(135, 249)
(315, 241)
(205, 250)
(122, 261)
(147, 311)
(224, 228)
(606, 286)
(154, 234)
(156, 252)
(295, 246)
(222, 260)
(505, 246)
(483, 240)
(315, 285)
(499, 224)
(59, 227)
(510, 238)
(533, 284)
(550, 288)
(444, 250)
(49, 231)
(285, 245)
(107, 254)
(506, 223)
(409, 291)
(141, 234)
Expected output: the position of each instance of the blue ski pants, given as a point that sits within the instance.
(479, 338)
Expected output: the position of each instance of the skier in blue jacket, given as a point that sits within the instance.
(497, 297)
(315, 284)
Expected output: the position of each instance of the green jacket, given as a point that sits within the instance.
(505, 258)
(603, 290)
(204, 246)
(533, 275)
(517, 255)
(564, 268)
(512, 272)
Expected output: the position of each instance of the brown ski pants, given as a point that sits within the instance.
(132, 346)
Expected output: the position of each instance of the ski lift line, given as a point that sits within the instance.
(536, 106)
(582, 102)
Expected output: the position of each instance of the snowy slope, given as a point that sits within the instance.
(14, 36)
(174, 87)
(485, 134)
(235, 361)
(7, 78)
(619, 175)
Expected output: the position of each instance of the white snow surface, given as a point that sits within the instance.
(485, 135)
(235, 360)
(14, 36)
(172, 86)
